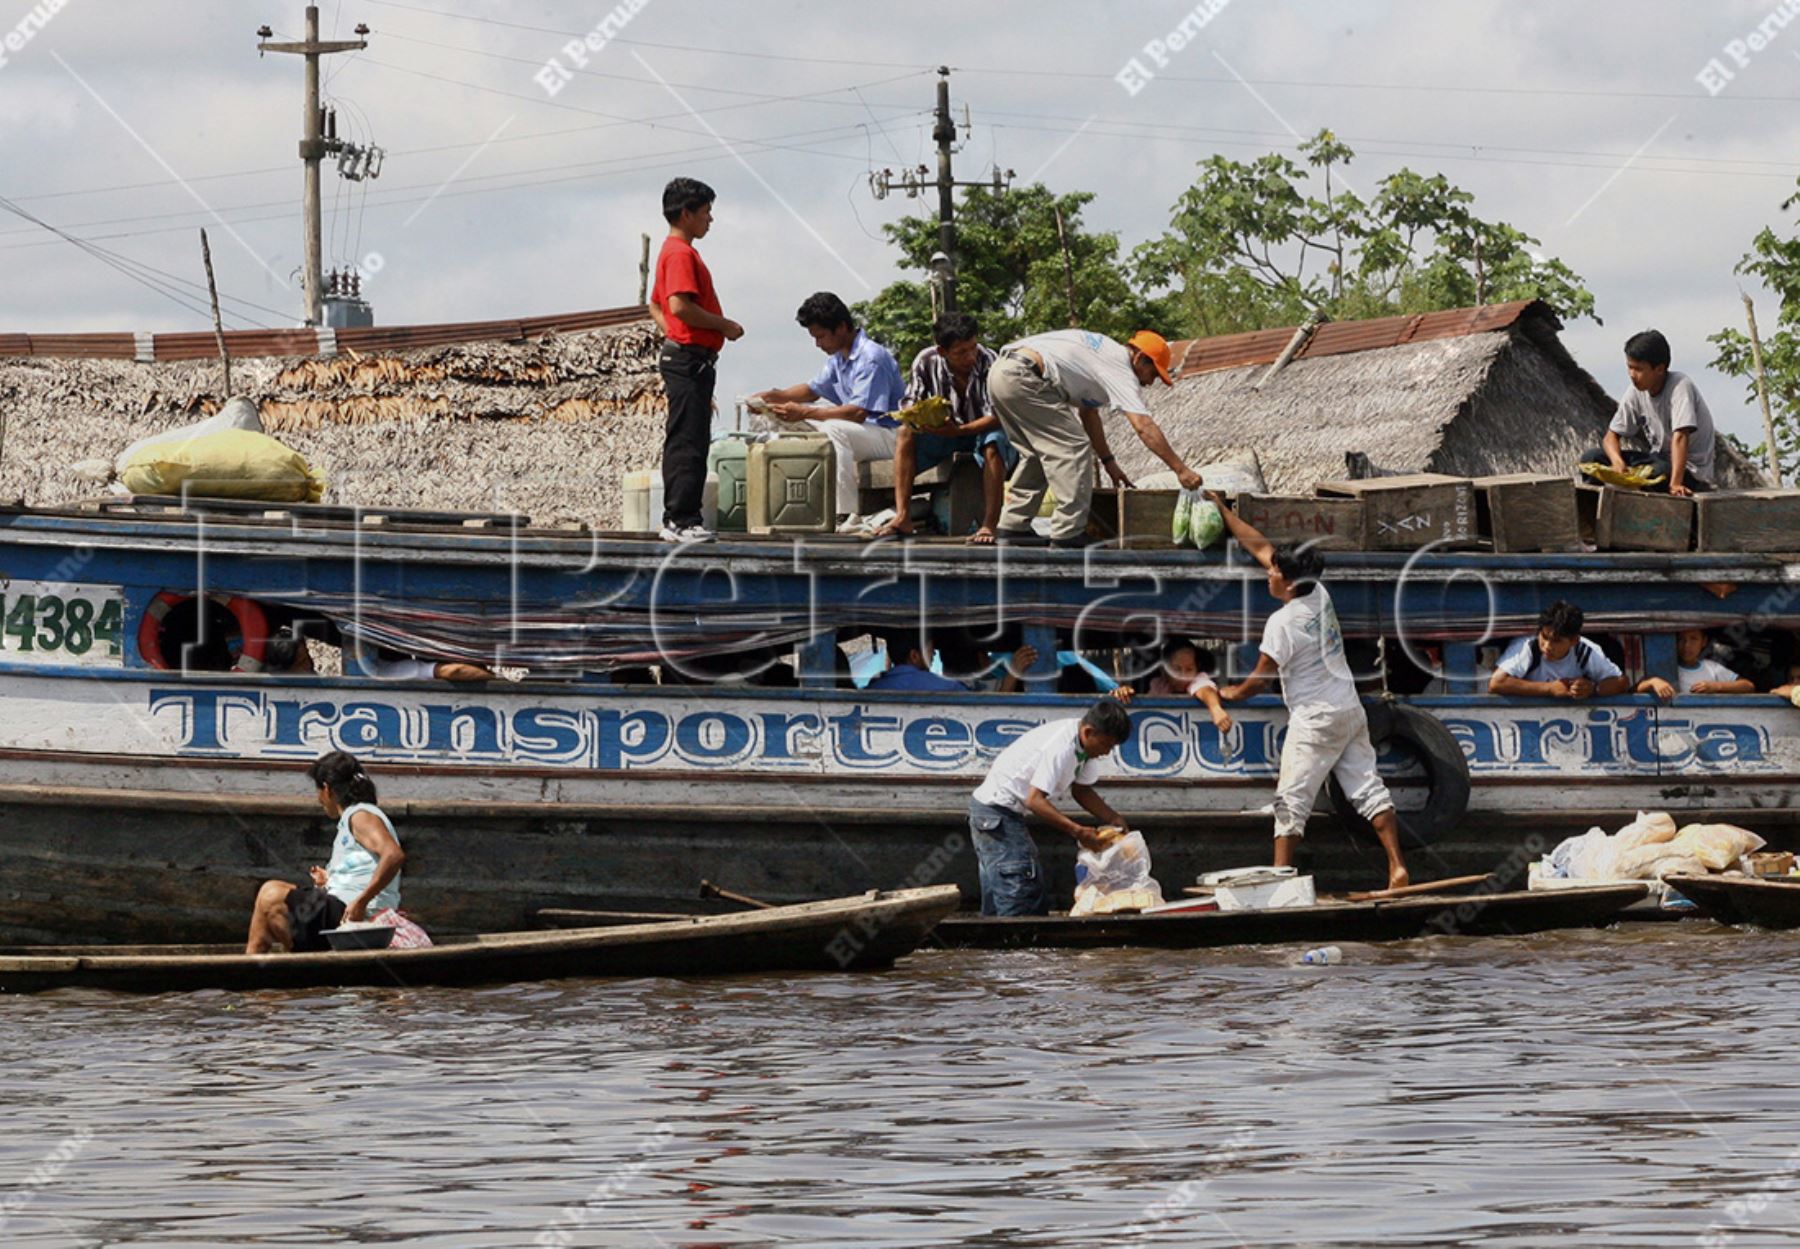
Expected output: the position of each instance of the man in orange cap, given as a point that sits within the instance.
(1049, 391)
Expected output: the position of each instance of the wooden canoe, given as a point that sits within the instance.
(869, 930)
(1766, 903)
(1398, 919)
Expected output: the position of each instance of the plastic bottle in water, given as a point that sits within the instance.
(1324, 956)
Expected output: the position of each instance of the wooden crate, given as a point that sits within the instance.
(1329, 524)
(1413, 510)
(1527, 512)
(1638, 520)
(1749, 520)
(1587, 514)
(1144, 518)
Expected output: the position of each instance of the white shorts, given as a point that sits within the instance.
(1321, 745)
(853, 442)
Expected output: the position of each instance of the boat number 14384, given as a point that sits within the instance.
(60, 623)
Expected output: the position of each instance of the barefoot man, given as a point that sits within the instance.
(1328, 731)
(955, 370)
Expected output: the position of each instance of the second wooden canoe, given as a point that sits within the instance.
(1766, 903)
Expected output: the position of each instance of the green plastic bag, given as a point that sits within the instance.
(1183, 525)
(1205, 525)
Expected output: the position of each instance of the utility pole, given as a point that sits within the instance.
(313, 146)
(945, 134)
(1762, 390)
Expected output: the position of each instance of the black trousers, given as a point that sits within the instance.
(689, 374)
(1659, 463)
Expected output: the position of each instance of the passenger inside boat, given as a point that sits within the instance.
(1697, 672)
(386, 664)
(911, 658)
(1558, 662)
(1185, 669)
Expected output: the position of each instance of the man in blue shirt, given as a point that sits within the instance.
(861, 385)
(909, 658)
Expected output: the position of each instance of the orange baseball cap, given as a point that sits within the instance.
(1157, 348)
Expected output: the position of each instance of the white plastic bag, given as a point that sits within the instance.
(1197, 520)
(1650, 828)
(1115, 879)
(1719, 846)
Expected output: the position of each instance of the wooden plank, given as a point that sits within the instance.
(1749, 520)
(1527, 512)
(1330, 524)
(1639, 520)
(1136, 518)
(1412, 511)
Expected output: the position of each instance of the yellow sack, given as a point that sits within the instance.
(225, 464)
(927, 414)
(1637, 477)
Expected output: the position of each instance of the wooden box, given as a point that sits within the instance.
(1133, 517)
(1329, 524)
(1637, 520)
(1527, 512)
(1749, 520)
(1587, 514)
(1413, 510)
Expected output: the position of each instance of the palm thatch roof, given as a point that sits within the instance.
(1469, 392)
(541, 417)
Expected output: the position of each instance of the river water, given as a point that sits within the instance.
(1627, 1087)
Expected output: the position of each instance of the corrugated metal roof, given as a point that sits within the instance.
(302, 342)
(1339, 338)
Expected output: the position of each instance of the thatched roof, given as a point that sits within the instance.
(541, 416)
(1469, 392)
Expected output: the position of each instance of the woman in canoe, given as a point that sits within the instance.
(361, 881)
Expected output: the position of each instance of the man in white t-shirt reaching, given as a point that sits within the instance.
(1695, 672)
(1040, 768)
(1050, 391)
(1327, 731)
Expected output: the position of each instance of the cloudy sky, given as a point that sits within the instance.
(131, 124)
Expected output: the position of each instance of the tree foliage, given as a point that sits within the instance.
(1010, 272)
(1251, 245)
(1776, 262)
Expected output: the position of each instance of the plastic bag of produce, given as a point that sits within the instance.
(1205, 525)
(1182, 526)
(225, 464)
(1650, 828)
(1115, 879)
(1653, 861)
(1719, 846)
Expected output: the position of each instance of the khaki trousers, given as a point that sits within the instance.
(1053, 446)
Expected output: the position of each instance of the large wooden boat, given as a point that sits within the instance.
(1768, 903)
(144, 803)
(837, 935)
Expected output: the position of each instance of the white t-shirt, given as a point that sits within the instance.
(1091, 369)
(1048, 758)
(1705, 670)
(1654, 417)
(403, 669)
(1525, 659)
(1304, 640)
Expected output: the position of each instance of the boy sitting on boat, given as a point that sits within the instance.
(1695, 672)
(1558, 662)
(1039, 769)
(361, 881)
(1328, 731)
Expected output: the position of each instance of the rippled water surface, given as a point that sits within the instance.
(1629, 1087)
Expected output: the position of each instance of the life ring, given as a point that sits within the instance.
(252, 623)
(1422, 736)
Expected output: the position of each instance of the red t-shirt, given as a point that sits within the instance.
(680, 271)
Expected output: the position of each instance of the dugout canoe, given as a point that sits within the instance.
(1768, 903)
(867, 931)
(1397, 919)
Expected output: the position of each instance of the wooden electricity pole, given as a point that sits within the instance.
(312, 146)
(1762, 391)
(212, 290)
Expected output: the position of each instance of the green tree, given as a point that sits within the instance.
(1250, 246)
(1776, 262)
(1010, 273)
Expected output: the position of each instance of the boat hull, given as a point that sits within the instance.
(837, 935)
(1773, 904)
(1478, 915)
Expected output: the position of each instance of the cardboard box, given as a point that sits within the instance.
(1412, 511)
(1527, 512)
(1330, 524)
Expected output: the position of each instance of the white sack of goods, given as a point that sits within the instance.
(1654, 861)
(238, 413)
(1650, 828)
(1115, 879)
(1719, 846)
(224, 464)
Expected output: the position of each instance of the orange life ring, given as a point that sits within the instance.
(252, 624)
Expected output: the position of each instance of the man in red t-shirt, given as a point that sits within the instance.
(686, 309)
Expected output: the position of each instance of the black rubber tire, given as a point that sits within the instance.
(1423, 736)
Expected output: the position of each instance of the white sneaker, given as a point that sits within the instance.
(688, 533)
(853, 523)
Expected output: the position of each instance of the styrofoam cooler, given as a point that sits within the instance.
(1269, 895)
